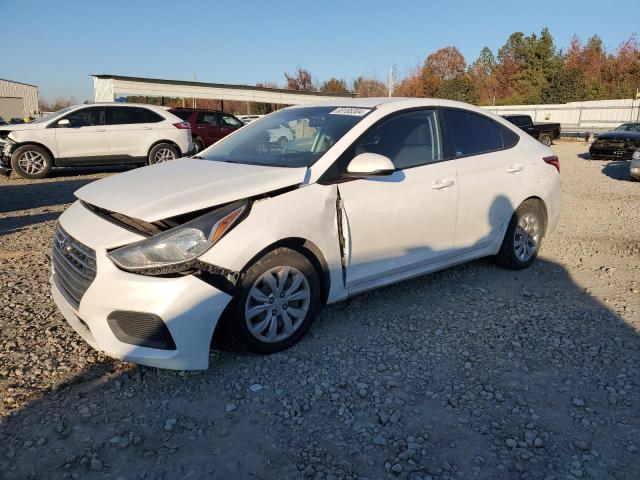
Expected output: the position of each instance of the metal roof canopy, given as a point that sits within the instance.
(106, 88)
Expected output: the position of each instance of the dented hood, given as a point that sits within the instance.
(185, 185)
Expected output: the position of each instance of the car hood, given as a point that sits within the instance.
(619, 135)
(185, 185)
(21, 126)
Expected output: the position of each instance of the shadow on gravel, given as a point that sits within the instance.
(474, 372)
(25, 196)
(18, 194)
(584, 156)
(13, 224)
(617, 170)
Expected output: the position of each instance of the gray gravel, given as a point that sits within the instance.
(475, 372)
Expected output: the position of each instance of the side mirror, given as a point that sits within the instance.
(370, 165)
(64, 123)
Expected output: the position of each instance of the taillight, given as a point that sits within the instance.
(182, 125)
(553, 160)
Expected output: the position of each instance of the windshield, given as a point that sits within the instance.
(51, 116)
(629, 127)
(294, 137)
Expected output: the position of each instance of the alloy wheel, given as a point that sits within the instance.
(526, 237)
(277, 304)
(32, 162)
(164, 155)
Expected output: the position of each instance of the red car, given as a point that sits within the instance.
(207, 126)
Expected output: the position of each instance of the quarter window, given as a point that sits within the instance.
(467, 133)
(408, 139)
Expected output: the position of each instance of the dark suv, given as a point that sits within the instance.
(207, 126)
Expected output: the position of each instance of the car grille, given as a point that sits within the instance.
(73, 266)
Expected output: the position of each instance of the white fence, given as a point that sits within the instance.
(598, 115)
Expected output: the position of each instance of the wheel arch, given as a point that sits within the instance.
(170, 142)
(36, 144)
(307, 248)
(543, 210)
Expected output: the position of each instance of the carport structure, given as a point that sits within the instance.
(106, 88)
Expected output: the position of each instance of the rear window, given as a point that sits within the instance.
(182, 114)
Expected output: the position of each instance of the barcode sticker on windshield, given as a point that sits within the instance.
(356, 112)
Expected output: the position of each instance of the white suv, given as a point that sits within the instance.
(96, 134)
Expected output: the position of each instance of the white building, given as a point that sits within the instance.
(17, 99)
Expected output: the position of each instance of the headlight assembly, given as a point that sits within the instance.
(176, 250)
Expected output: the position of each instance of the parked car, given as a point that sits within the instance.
(3, 121)
(207, 126)
(634, 166)
(146, 261)
(545, 133)
(95, 134)
(16, 121)
(617, 144)
(281, 134)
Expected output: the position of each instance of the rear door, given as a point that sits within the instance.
(84, 139)
(490, 175)
(208, 127)
(128, 129)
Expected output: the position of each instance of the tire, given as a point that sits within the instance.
(518, 251)
(31, 161)
(162, 152)
(545, 139)
(199, 146)
(255, 295)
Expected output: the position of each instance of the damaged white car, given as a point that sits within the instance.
(256, 234)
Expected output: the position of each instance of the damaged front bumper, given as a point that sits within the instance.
(5, 156)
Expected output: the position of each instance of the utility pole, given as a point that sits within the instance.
(391, 80)
(194, 98)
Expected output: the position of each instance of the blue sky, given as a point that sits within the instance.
(58, 44)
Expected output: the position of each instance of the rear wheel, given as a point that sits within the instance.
(277, 300)
(163, 152)
(198, 145)
(31, 161)
(546, 139)
(523, 238)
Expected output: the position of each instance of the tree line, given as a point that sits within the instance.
(527, 69)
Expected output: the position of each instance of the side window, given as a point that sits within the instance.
(151, 117)
(229, 121)
(86, 117)
(125, 115)
(408, 139)
(207, 118)
(468, 133)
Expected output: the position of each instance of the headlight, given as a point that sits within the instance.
(636, 155)
(177, 249)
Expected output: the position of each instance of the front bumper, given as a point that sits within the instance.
(610, 153)
(5, 157)
(189, 307)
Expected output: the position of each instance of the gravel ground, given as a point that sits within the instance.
(475, 372)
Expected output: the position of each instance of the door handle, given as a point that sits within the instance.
(99, 130)
(441, 184)
(145, 128)
(514, 168)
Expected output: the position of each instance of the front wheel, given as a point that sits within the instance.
(523, 238)
(31, 161)
(163, 152)
(276, 302)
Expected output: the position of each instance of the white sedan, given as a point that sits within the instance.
(147, 263)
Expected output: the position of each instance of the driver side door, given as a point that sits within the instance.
(84, 139)
(406, 220)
